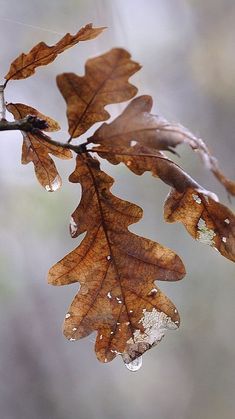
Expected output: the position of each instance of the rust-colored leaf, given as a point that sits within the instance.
(105, 82)
(116, 270)
(134, 124)
(205, 219)
(37, 149)
(140, 159)
(42, 54)
(137, 124)
(198, 209)
(19, 110)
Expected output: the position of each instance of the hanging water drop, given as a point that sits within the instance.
(54, 185)
(134, 365)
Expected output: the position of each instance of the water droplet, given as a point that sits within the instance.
(54, 185)
(134, 365)
(108, 257)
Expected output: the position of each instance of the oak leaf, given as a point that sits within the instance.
(105, 82)
(206, 219)
(36, 148)
(116, 270)
(137, 124)
(42, 54)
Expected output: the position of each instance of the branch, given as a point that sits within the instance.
(27, 124)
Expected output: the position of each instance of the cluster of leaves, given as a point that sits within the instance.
(116, 269)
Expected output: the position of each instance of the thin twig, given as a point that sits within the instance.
(27, 124)
(2, 104)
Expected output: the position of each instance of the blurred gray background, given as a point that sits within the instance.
(187, 52)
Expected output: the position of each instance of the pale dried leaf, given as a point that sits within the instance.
(137, 124)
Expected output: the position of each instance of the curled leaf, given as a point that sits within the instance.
(137, 124)
(42, 54)
(37, 148)
(105, 82)
(116, 270)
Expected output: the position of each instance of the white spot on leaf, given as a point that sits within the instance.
(224, 239)
(227, 221)
(133, 143)
(197, 199)
(73, 227)
(205, 234)
(155, 323)
(67, 315)
(153, 291)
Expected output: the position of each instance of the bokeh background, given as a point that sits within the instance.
(187, 52)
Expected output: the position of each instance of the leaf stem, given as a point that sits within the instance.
(132, 155)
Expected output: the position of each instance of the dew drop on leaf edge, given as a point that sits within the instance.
(134, 365)
(54, 185)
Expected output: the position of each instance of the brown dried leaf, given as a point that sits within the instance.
(105, 82)
(137, 124)
(205, 219)
(19, 110)
(116, 270)
(42, 54)
(36, 149)
(198, 209)
(140, 159)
